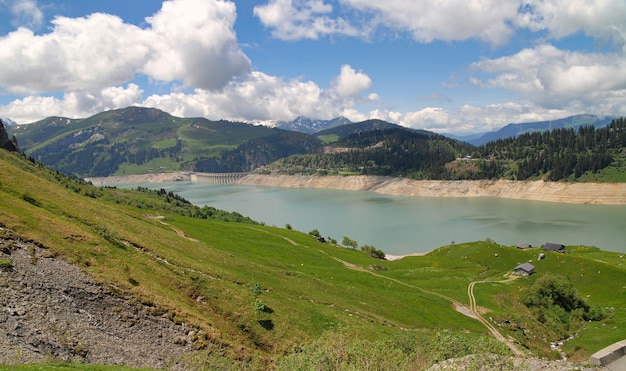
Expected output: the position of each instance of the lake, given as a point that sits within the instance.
(404, 225)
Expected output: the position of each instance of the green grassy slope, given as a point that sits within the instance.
(201, 272)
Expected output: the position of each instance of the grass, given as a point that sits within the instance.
(200, 272)
(67, 366)
(328, 139)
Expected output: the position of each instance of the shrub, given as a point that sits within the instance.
(556, 303)
(6, 264)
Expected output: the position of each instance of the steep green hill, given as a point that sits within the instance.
(254, 293)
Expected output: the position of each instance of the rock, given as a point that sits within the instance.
(5, 142)
(52, 308)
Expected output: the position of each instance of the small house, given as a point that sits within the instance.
(525, 269)
(554, 247)
(524, 246)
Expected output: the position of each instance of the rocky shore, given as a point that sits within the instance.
(574, 193)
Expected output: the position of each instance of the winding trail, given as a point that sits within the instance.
(474, 309)
(471, 312)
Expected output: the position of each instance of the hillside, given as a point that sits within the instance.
(382, 149)
(514, 130)
(247, 294)
(139, 140)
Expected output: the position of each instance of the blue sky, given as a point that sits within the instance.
(449, 66)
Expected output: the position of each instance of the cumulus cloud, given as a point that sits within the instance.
(191, 41)
(194, 41)
(259, 96)
(80, 53)
(350, 82)
(72, 104)
(554, 78)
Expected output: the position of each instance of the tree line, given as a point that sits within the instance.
(557, 154)
(551, 155)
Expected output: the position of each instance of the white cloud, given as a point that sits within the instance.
(488, 20)
(24, 13)
(492, 21)
(80, 53)
(470, 119)
(351, 83)
(194, 41)
(302, 19)
(552, 77)
(451, 20)
(601, 19)
(191, 41)
(259, 96)
(73, 104)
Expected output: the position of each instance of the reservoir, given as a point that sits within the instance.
(404, 225)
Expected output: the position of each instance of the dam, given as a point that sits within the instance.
(216, 178)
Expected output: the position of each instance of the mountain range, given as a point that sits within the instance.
(514, 130)
(138, 140)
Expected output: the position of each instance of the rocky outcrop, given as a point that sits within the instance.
(51, 310)
(5, 142)
(577, 193)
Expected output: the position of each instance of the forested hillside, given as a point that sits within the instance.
(585, 154)
(392, 152)
(557, 154)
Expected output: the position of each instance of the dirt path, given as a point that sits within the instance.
(474, 309)
(178, 231)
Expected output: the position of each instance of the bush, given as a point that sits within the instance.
(557, 304)
(6, 264)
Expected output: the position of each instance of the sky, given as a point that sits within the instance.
(450, 66)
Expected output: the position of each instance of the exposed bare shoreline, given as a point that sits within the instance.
(574, 193)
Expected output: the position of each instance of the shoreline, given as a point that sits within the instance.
(572, 193)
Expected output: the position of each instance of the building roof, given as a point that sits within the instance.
(553, 246)
(526, 267)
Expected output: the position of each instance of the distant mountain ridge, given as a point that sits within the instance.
(514, 130)
(310, 126)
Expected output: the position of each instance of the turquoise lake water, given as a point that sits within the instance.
(404, 225)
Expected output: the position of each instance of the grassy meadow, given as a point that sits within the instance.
(263, 292)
